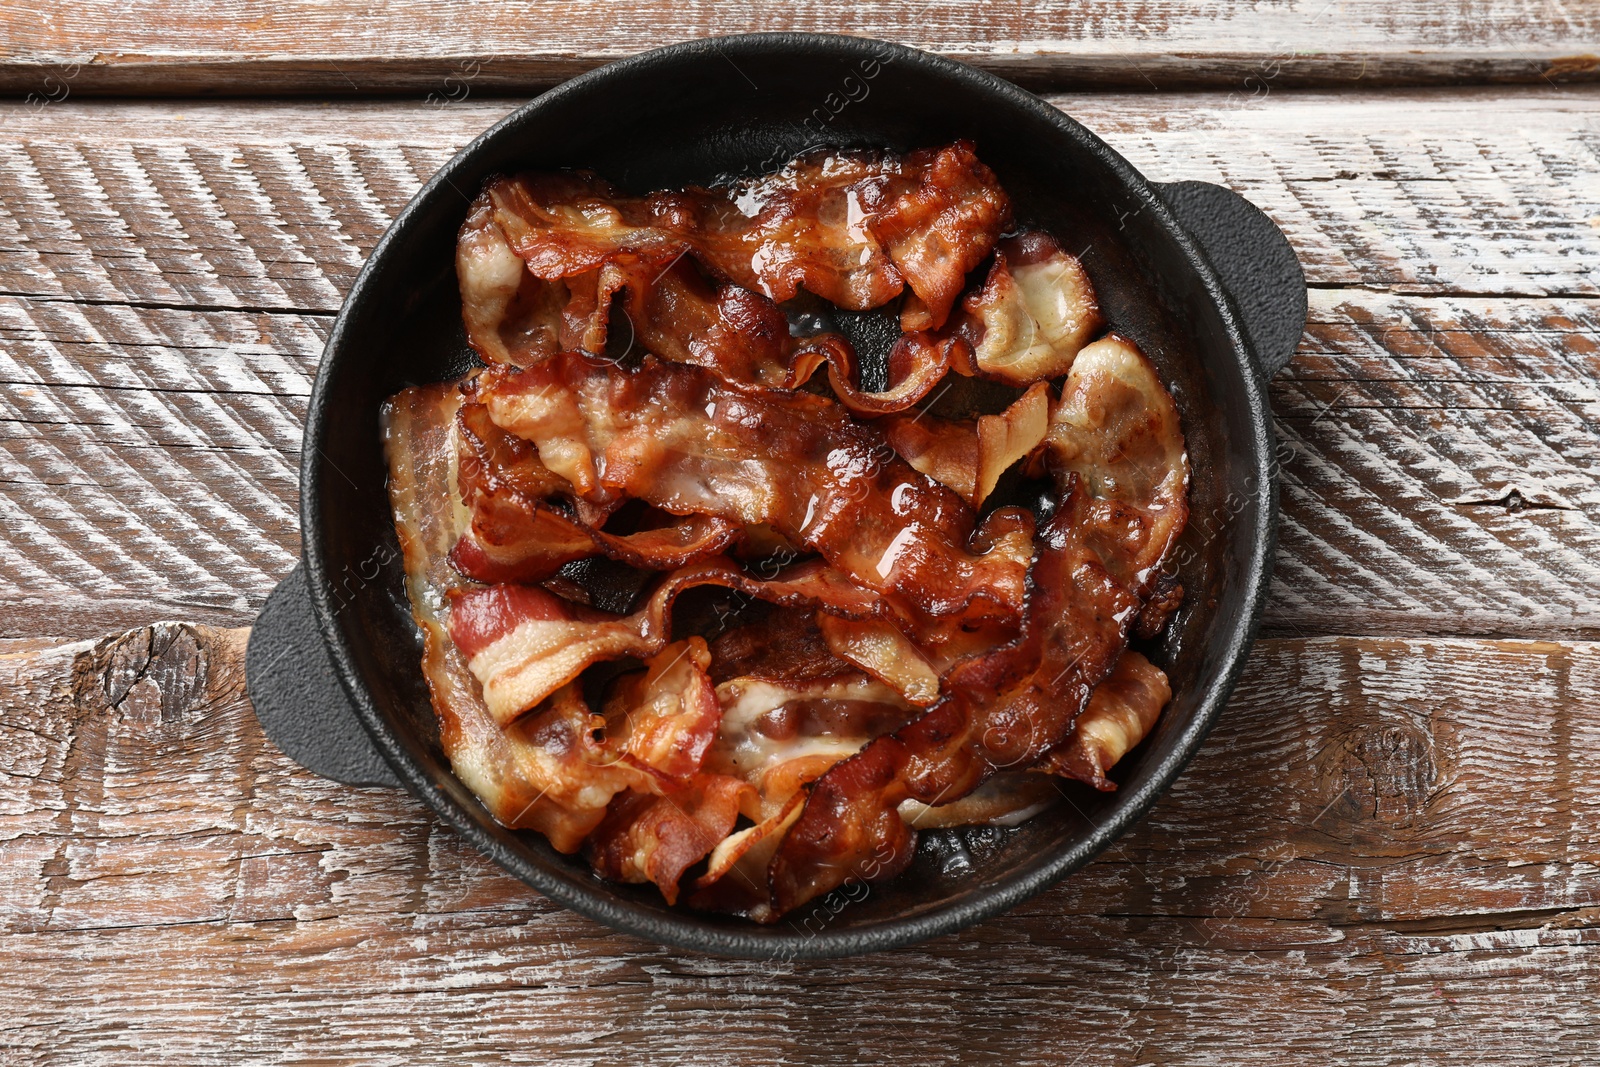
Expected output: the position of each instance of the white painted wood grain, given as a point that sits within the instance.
(425, 47)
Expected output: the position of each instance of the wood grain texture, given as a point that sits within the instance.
(1405, 869)
(168, 275)
(423, 46)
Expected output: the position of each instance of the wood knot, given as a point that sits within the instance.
(157, 677)
(1379, 771)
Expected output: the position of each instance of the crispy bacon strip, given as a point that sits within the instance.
(909, 656)
(883, 650)
(655, 731)
(852, 228)
(735, 881)
(1003, 710)
(917, 363)
(1008, 708)
(511, 316)
(770, 728)
(664, 719)
(779, 735)
(929, 232)
(516, 536)
(682, 440)
(490, 460)
(1010, 798)
(673, 312)
(1121, 712)
(774, 737)
(655, 837)
(523, 643)
(527, 541)
(510, 775)
(780, 645)
(970, 456)
(557, 779)
(1115, 431)
(1033, 313)
(547, 771)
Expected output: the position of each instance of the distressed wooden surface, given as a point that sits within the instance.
(1387, 853)
(1403, 870)
(424, 46)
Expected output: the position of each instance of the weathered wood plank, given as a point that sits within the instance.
(422, 47)
(1486, 192)
(276, 206)
(1404, 869)
(1445, 474)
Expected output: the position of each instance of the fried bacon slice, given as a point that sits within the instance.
(1033, 313)
(523, 643)
(1010, 798)
(489, 460)
(969, 456)
(796, 714)
(854, 228)
(1002, 710)
(526, 541)
(663, 719)
(517, 535)
(1121, 712)
(911, 656)
(673, 311)
(939, 230)
(881, 649)
(510, 773)
(1097, 558)
(510, 315)
(682, 440)
(655, 837)
(780, 645)
(735, 881)
(917, 363)
(775, 734)
(547, 771)
(1115, 430)
(653, 737)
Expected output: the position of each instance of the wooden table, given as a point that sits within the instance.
(1386, 853)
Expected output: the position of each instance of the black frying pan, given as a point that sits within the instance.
(1203, 281)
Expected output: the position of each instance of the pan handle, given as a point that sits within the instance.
(1255, 261)
(297, 695)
